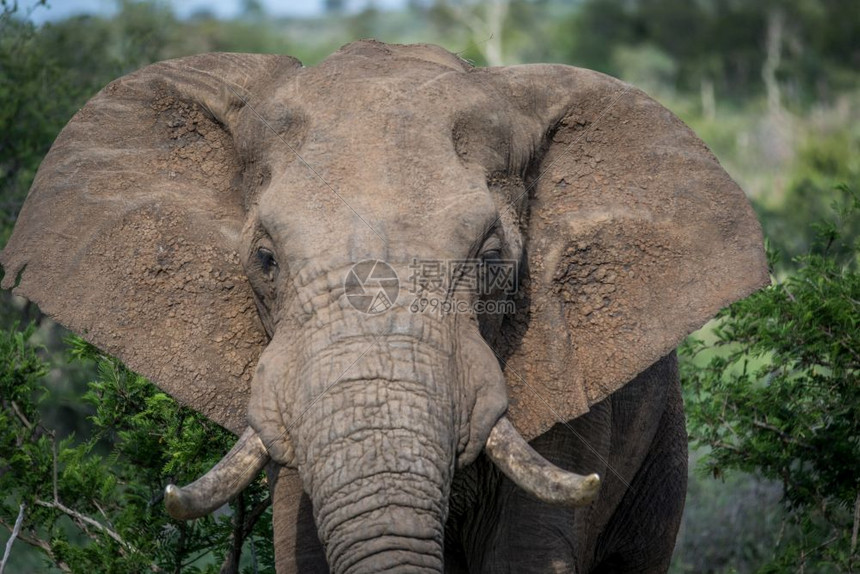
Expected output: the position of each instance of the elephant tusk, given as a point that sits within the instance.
(535, 474)
(224, 481)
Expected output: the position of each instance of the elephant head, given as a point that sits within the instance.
(221, 223)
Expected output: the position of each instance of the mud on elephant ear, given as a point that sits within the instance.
(130, 232)
(636, 237)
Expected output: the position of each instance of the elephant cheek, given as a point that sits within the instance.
(484, 389)
(264, 414)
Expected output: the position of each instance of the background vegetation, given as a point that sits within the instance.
(771, 387)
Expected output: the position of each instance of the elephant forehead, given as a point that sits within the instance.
(354, 89)
(323, 205)
(384, 150)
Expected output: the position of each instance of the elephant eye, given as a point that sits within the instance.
(266, 261)
(491, 255)
(491, 250)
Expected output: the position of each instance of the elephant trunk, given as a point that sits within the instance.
(376, 455)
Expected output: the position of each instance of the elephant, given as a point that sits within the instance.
(260, 238)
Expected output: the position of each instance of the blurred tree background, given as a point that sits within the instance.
(771, 86)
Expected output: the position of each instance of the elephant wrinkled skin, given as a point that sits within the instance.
(215, 220)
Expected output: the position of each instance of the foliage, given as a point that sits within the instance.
(95, 505)
(30, 115)
(821, 163)
(726, 42)
(780, 396)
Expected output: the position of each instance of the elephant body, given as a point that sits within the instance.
(390, 272)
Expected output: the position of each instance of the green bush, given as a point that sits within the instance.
(778, 395)
(822, 163)
(95, 504)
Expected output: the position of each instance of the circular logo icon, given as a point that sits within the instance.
(371, 286)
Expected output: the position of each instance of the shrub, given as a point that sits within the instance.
(778, 395)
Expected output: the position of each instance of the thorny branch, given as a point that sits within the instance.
(54, 471)
(492, 25)
(83, 521)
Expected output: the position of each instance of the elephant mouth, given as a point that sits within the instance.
(508, 450)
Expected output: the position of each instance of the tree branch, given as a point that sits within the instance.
(255, 515)
(17, 529)
(243, 526)
(237, 537)
(785, 437)
(41, 545)
(21, 416)
(856, 528)
(84, 520)
(491, 26)
(77, 516)
(54, 469)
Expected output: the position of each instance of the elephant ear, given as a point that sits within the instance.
(129, 233)
(636, 237)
